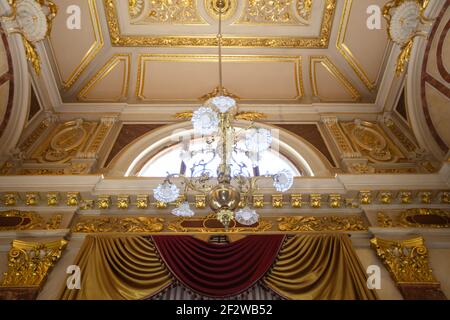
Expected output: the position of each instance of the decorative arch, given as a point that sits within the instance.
(303, 155)
(421, 80)
(15, 115)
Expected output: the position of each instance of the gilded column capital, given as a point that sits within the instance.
(406, 260)
(30, 262)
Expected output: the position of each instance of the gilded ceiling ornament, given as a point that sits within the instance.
(335, 201)
(445, 197)
(10, 199)
(172, 12)
(118, 224)
(227, 11)
(385, 197)
(384, 220)
(258, 201)
(269, 12)
(425, 197)
(361, 168)
(406, 261)
(123, 201)
(315, 201)
(365, 197)
(405, 18)
(416, 218)
(32, 19)
(30, 262)
(405, 197)
(409, 145)
(135, 7)
(200, 201)
(31, 199)
(142, 201)
(277, 201)
(87, 204)
(296, 200)
(304, 9)
(371, 142)
(21, 220)
(64, 143)
(250, 116)
(72, 199)
(52, 199)
(54, 222)
(327, 223)
(160, 205)
(104, 202)
(333, 126)
(216, 92)
(434, 218)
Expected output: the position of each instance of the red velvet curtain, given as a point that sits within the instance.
(217, 270)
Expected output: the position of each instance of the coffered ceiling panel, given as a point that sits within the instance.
(162, 77)
(366, 60)
(74, 49)
(110, 83)
(171, 47)
(328, 83)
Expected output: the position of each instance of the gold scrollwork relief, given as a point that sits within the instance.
(171, 12)
(415, 218)
(27, 220)
(372, 142)
(64, 142)
(118, 224)
(327, 223)
(30, 262)
(277, 12)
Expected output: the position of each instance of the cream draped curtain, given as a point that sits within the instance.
(118, 268)
(319, 266)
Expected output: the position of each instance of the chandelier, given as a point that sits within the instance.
(228, 194)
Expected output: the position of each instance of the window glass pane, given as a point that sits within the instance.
(204, 157)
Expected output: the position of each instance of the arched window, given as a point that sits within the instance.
(158, 152)
(202, 156)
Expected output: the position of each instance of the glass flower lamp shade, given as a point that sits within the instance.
(258, 139)
(247, 216)
(283, 180)
(166, 192)
(223, 103)
(183, 210)
(205, 121)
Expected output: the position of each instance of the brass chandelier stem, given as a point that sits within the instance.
(220, 6)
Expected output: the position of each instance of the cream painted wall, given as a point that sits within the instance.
(440, 263)
(58, 276)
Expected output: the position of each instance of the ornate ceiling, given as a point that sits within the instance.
(151, 52)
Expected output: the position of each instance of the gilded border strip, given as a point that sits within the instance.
(117, 39)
